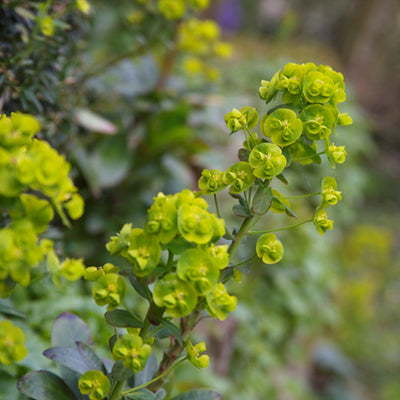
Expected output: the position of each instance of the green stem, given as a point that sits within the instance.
(245, 262)
(243, 230)
(154, 379)
(279, 229)
(116, 390)
(216, 206)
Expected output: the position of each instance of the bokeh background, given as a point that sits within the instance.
(322, 324)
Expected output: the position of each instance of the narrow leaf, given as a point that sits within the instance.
(142, 290)
(43, 385)
(142, 394)
(174, 330)
(123, 319)
(92, 359)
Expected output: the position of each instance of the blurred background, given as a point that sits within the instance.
(136, 115)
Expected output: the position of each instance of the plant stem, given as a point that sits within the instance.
(302, 196)
(279, 229)
(243, 230)
(154, 379)
(216, 206)
(116, 390)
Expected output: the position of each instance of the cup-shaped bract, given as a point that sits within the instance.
(195, 356)
(72, 269)
(269, 248)
(268, 89)
(267, 160)
(321, 221)
(95, 384)
(220, 303)
(188, 198)
(177, 296)
(338, 153)
(211, 181)
(318, 87)
(12, 343)
(130, 349)
(121, 241)
(109, 289)
(144, 252)
(317, 121)
(219, 255)
(195, 224)
(239, 176)
(339, 94)
(172, 9)
(329, 195)
(162, 218)
(291, 82)
(282, 126)
(17, 130)
(196, 267)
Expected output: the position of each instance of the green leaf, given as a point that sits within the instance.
(262, 200)
(174, 330)
(68, 357)
(198, 394)
(120, 373)
(9, 311)
(69, 329)
(142, 394)
(148, 372)
(288, 210)
(43, 385)
(123, 319)
(90, 356)
(142, 290)
(241, 211)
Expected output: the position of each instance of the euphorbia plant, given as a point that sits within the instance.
(182, 259)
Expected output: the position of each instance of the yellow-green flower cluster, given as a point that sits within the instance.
(12, 343)
(176, 9)
(29, 166)
(311, 93)
(195, 356)
(95, 384)
(200, 41)
(329, 197)
(181, 225)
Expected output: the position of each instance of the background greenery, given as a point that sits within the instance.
(321, 324)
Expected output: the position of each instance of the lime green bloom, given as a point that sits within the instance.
(196, 267)
(237, 120)
(267, 160)
(95, 384)
(162, 218)
(188, 198)
(94, 273)
(195, 224)
(268, 89)
(321, 221)
(220, 303)
(12, 343)
(17, 130)
(338, 153)
(211, 181)
(329, 195)
(172, 9)
(291, 82)
(121, 242)
(46, 24)
(318, 87)
(219, 255)
(75, 206)
(177, 296)
(144, 252)
(339, 94)
(83, 6)
(194, 354)
(304, 153)
(109, 289)
(73, 269)
(317, 121)
(199, 4)
(132, 351)
(38, 211)
(282, 126)
(239, 176)
(269, 248)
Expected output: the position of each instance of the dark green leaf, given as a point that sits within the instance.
(9, 311)
(121, 373)
(69, 329)
(90, 356)
(241, 211)
(282, 179)
(148, 372)
(123, 319)
(142, 394)
(262, 200)
(174, 330)
(198, 394)
(288, 210)
(43, 385)
(142, 290)
(243, 155)
(68, 357)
